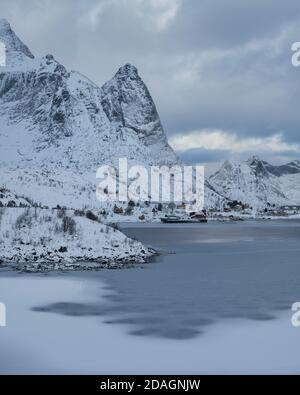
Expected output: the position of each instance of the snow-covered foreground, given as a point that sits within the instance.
(39, 239)
(220, 304)
(40, 343)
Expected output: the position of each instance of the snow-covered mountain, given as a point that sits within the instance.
(57, 127)
(50, 117)
(258, 183)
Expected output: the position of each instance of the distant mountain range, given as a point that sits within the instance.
(258, 183)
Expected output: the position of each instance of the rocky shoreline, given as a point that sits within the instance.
(39, 240)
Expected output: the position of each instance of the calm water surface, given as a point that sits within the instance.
(206, 276)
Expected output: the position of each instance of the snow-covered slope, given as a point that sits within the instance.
(36, 239)
(258, 183)
(213, 199)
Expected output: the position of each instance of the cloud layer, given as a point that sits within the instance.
(221, 68)
(221, 140)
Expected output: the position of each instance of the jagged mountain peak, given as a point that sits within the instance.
(129, 106)
(128, 70)
(4, 24)
(128, 103)
(254, 160)
(260, 167)
(16, 51)
(228, 166)
(49, 64)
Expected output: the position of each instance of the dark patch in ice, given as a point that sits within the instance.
(70, 309)
(177, 333)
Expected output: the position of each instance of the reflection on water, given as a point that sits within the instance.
(218, 271)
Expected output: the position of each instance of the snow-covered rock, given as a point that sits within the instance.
(9, 199)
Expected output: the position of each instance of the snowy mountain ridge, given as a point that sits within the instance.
(258, 183)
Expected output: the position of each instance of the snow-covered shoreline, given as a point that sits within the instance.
(34, 239)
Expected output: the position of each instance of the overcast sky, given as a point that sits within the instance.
(219, 71)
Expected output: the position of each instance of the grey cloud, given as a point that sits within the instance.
(218, 64)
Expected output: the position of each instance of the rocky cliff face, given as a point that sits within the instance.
(128, 104)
